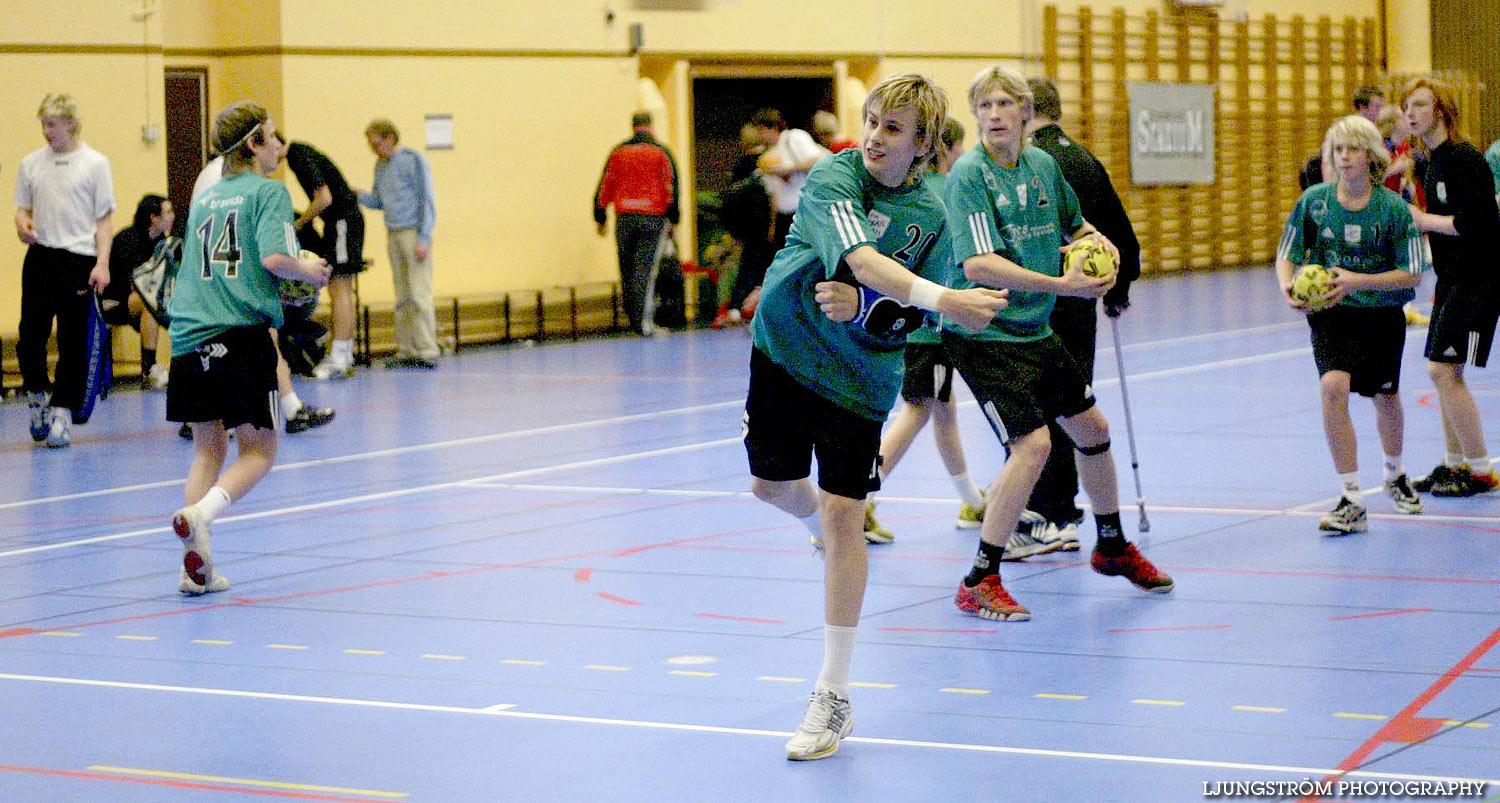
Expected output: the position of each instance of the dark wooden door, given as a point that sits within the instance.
(187, 135)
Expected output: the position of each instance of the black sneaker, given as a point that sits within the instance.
(1344, 519)
(185, 432)
(411, 362)
(1402, 494)
(308, 418)
(1463, 482)
(1442, 473)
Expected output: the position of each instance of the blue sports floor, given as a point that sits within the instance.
(536, 574)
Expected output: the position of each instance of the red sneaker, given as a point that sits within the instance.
(990, 600)
(1133, 566)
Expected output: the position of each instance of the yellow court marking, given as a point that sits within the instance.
(951, 690)
(60, 633)
(1260, 709)
(688, 673)
(136, 638)
(608, 668)
(857, 684)
(779, 679)
(213, 641)
(1347, 715)
(1453, 723)
(523, 662)
(286, 646)
(364, 652)
(185, 776)
(1144, 701)
(1047, 696)
(432, 657)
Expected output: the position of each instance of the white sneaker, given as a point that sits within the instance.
(58, 435)
(1026, 541)
(1065, 536)
(333, 368)
(157, 376)
(41, 415)
(828, 720)
(197, 555)
(217, 582)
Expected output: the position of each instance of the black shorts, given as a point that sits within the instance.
(1463, 324)
(1020, 386)
(231, 378)
(786, 424)
(929, 373)
(1364, 342)
(343, 244)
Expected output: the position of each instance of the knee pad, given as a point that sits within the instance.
(1093, 450)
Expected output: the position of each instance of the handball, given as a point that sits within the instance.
(297, 293)
(1310, 286)
(1092, 258)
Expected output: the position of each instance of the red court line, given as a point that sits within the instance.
(931, 630)
(1166, 629)
(582, 575)
(94, 776)
(433, 575)
(19, 631)
(728, 618)
(613, 598)
(1382, 613)
(1403, 725)
(1335, 575)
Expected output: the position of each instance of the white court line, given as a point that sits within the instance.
(350, 500)
(401, 450)
(499, 711)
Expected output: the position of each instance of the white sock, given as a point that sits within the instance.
(213, 503)
(814, 525)
(1453, 459)
(838, 652)
(1393, 467)
(968, 491)
(1352, 492)
(343, 350)
(290, 404)
(1479, 464)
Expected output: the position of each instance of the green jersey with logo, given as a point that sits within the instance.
(1378, 238)
(1023, 213)
(222, 283)
(841, 208)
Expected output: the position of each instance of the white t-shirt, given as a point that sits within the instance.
(67, 194)
(211, 174)
(795, 145)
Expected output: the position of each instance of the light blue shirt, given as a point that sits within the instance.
(403, 190)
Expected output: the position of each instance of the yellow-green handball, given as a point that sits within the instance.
(1092, 258)
(297, 293)
(1310, 286)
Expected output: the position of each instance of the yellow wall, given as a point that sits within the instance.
(538, 93)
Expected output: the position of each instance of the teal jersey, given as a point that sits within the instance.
(222, 283)
(1025, 214)
(928, 332)
(1379, 238)
(1492, 156)
(842, 207)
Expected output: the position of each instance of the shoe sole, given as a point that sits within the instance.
(1022, 553)
(965, 524)
(997, 616)
(198, 569)
(848, 729)
(1358, 527)
(1161, 589)
(877, 538)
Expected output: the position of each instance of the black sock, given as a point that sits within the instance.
(1111, 540)
(986, 563)
(148, 359)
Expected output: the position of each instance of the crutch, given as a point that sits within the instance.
(1135, 463)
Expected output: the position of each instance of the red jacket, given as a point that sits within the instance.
(640, 178)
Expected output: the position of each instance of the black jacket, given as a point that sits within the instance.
(1098, 202)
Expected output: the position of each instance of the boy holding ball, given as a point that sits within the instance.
(1363, 233)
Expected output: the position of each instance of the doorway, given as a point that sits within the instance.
(187, 135)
